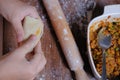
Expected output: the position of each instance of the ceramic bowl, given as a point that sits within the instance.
(111, 13)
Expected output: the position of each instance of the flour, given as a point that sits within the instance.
(69, 53)
(66, 38)
(65, 31)
(77, 61)
(53, 76)
(43, 17)
(42, 77)
(50, 46)
(60, 17)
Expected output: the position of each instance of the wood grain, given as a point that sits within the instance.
(1, 36)
(9, 39)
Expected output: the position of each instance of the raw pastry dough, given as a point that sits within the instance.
(32, 26)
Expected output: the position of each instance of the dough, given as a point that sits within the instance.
(32, 26)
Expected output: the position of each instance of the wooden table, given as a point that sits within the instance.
(1, 35)
(78, 14)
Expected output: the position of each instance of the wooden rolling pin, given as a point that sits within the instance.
(66, 39)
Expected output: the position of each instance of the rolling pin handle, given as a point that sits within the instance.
(81, 74)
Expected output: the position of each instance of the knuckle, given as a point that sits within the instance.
(27, 46)
(33, 8)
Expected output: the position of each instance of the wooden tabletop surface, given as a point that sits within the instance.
(78, 14)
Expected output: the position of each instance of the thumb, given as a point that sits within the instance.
(27, 47)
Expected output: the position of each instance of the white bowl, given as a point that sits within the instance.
(111, 12)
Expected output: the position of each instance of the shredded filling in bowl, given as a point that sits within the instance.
(112, 54)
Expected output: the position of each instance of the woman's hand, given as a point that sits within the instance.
(15, 11)
(15, 66)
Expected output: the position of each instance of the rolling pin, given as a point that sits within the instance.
(65, 38)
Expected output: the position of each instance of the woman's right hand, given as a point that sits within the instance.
(15, 66)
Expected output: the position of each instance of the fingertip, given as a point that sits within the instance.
(20, 37)
(39, 44)
(28, 45)
(38, 48)
(45, 60)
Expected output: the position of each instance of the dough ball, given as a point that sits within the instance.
(32, 26)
